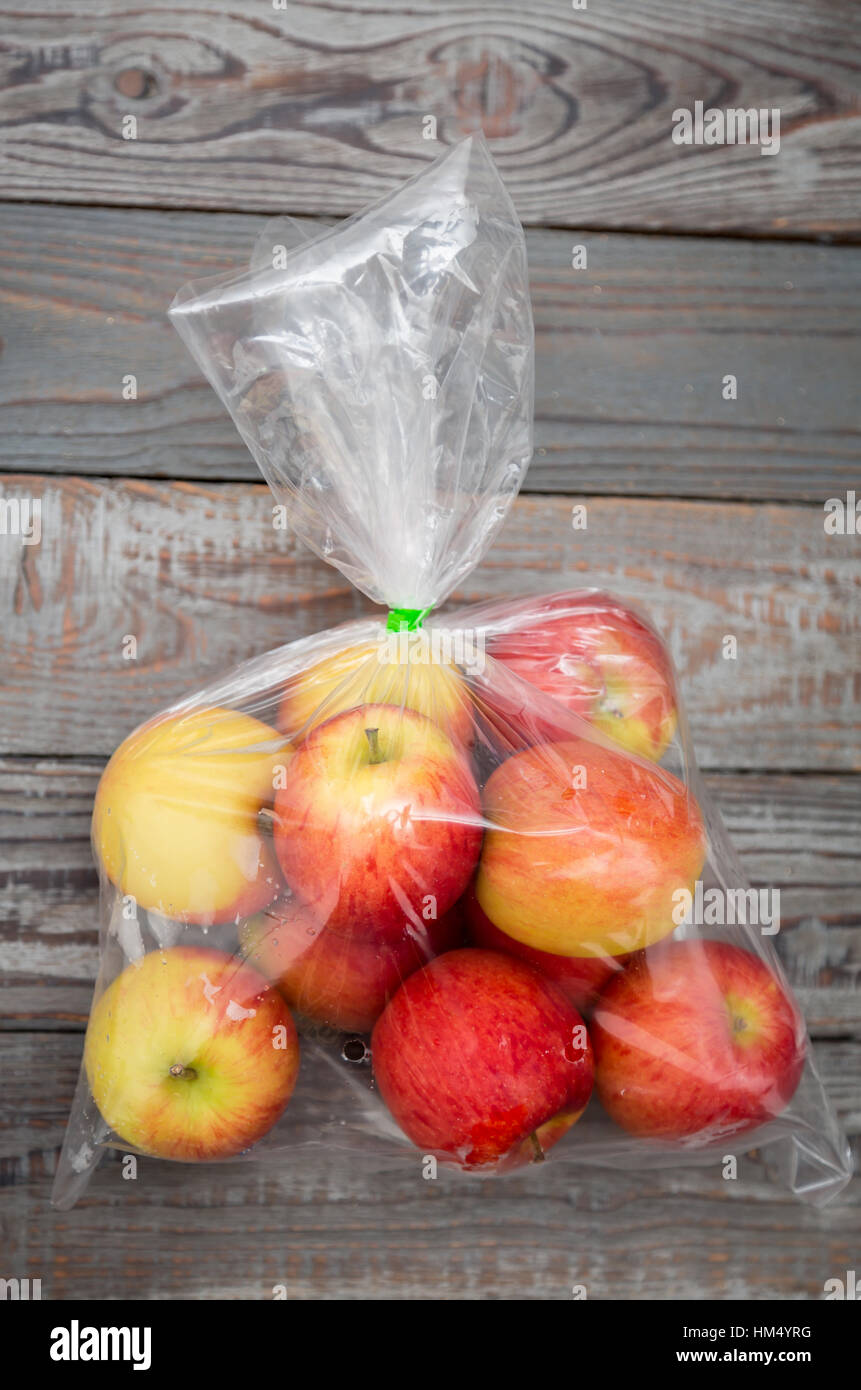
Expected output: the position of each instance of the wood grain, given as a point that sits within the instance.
(199, 577)
(316, 109)
(340, 1229)
(320, 107)
(630, 357)
(798, 834)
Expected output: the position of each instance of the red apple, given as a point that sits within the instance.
(587, 849)
(379, 818)
(697, 1040)
(191, 1054)
(598, 659)
(481, 1061)
(580, 978)
(338, 980)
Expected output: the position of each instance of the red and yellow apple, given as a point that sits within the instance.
(597, 659)
(481, 1061)
(366, 674)
(191, 1054)
(586, 850)
(696, 1041)
(378, 818)
(341, 981)
(175, 822)
(580, 978)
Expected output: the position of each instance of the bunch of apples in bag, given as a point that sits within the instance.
(463, 851)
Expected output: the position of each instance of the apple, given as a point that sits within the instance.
(481, 1061)
(599, 660)
(378, 820)
(175, 822)
(580, 978)
(338, 980)
(586, 849)
(191, 1054)
(365, 674)
(697, 1040)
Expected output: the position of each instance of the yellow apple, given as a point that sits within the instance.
(175, 823)
(365, 674)
(191, 1054)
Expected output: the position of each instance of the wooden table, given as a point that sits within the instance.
(702, 262)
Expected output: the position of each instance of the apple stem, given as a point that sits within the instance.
(373, 737)
(265, 821)
(538, 1154)
(188, 1073)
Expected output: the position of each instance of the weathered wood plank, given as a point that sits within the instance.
(631, 355)
(185, 570)
(337, 1228)
(306, 109)
(798, 834)
(201, 579)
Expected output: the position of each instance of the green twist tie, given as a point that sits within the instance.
(405, 619)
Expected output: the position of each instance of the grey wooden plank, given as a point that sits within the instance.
(797, 834)
(304, 110)
(202, 580)
(342, 1229)
(630, 357)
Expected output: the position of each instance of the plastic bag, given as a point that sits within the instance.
(465, 864)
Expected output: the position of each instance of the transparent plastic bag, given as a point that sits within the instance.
(462, 867)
